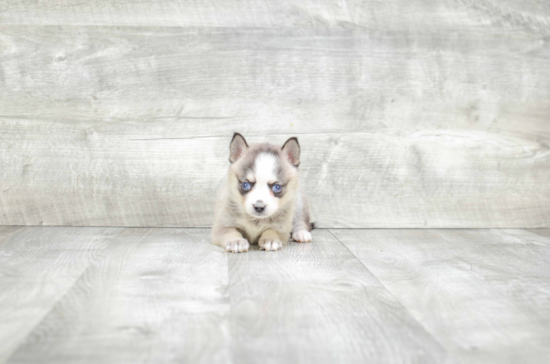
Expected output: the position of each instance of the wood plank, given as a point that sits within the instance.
(156, 296)
(545, 233)
(532, 236)
(484, 294)
(316, 303)
(7, 231)
(185, 82)
(37, 267)
(530, 15)
(130, 126)
(354, 180)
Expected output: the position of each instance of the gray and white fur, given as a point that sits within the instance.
(261, 201)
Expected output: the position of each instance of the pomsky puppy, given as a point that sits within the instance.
(261, 201)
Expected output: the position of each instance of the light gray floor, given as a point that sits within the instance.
(154, 295)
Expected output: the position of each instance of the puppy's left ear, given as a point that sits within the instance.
(291, 150)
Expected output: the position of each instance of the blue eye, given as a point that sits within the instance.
(276, 188)
(245, 186)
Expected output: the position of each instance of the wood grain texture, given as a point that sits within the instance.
(129, 126)
(188, 82)
(37, 267)
(6, 232)
(315, 303)
(156, 296)
(528, 15)
(361, 179)
(540, 233)
(484, 294)
(89, 295)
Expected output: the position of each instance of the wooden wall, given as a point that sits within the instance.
(411, 113)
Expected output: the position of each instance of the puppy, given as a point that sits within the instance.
(261, 201)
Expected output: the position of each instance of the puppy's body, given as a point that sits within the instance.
(261, 201)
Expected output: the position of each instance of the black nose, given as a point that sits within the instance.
(259, 206)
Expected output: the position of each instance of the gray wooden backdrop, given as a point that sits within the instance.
(411, 113)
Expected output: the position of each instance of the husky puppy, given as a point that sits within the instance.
(261, 201)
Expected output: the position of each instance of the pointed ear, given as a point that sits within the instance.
(237, 147)
(291, 150)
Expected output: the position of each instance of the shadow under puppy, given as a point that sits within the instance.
(261, 201)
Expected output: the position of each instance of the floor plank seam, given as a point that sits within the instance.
(41, 320)
(430, 334)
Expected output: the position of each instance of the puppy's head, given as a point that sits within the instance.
(263, 177)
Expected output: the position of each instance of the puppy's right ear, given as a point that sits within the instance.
(237, 147)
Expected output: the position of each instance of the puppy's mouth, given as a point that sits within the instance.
(259, 215)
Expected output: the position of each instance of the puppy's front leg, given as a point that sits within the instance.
(230, 239)
(272, 240)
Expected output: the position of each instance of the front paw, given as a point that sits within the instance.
(270, 244)
(237, 246)
(302, 236)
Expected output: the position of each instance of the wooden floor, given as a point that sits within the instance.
(163, 295)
